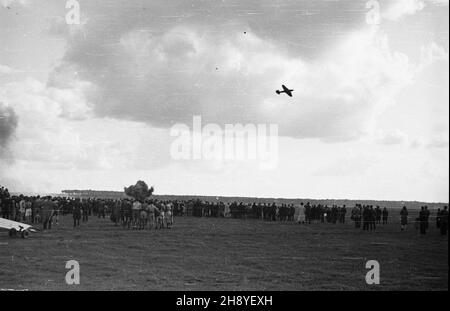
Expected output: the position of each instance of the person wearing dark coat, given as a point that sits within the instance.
(385, 214)
(342, 214)
(366, 217)
(6, 206)
(427, 217)
(403, 218)
(438, 218)
(378, 215)
(356, 216)
(85, 211)
(76, 213)
(372, 218)
(422, 221)
(444, 221)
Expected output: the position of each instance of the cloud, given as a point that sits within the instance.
(440, 141)
(432, 53)
(166, 78)
(8, 124)
(55, 129)
(347, 166)
(8, 3)
(392, 138)
(283, 22)
(402, 8)
(439, 2)
(416, 143)
(6, 70)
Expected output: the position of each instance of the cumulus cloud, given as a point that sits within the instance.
(439, 2)
(392, 138)
(165, 78)
(432, 53)
(9, 3)
(346, 166)
(440, 141)
(4, 69)
(402, 8)
(8, 124)
(55, 128)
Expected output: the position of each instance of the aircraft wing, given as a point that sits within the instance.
(286, 90)
(10, 224)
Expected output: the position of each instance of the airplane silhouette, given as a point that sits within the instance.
(285, 90)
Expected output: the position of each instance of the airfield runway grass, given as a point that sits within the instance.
(224, 254)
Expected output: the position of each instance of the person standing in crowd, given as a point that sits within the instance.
(151, 215)
(422, 221)
(136, 208)
(128, 214)
(355, 216)
(366, 218)
(299, 215)
(115, 215)
(427, 217)
(372, 218)
(403, 218)
(438, 218)
(76, 213)
(12, 209)
(21, 216)
(35, 210)
(85, 211)
(378, 215)
(385, 214)
(47, 209)
(443, 226)
(6, 206)
(342, 213)
(56, 211)
(102, 209)
(308, 213)
(28, 214)
(334, 214)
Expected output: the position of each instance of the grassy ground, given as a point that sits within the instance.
(224, 254)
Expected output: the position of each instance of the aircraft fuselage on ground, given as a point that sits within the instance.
(15, 228)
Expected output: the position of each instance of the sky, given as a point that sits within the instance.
(92, 105)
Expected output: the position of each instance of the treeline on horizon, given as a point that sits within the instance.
(225, 199)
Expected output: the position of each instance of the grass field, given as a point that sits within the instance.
(224, 254)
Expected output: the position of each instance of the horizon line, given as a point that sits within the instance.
(238, 196)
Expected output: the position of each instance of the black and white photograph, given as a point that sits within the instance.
(224, 146)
